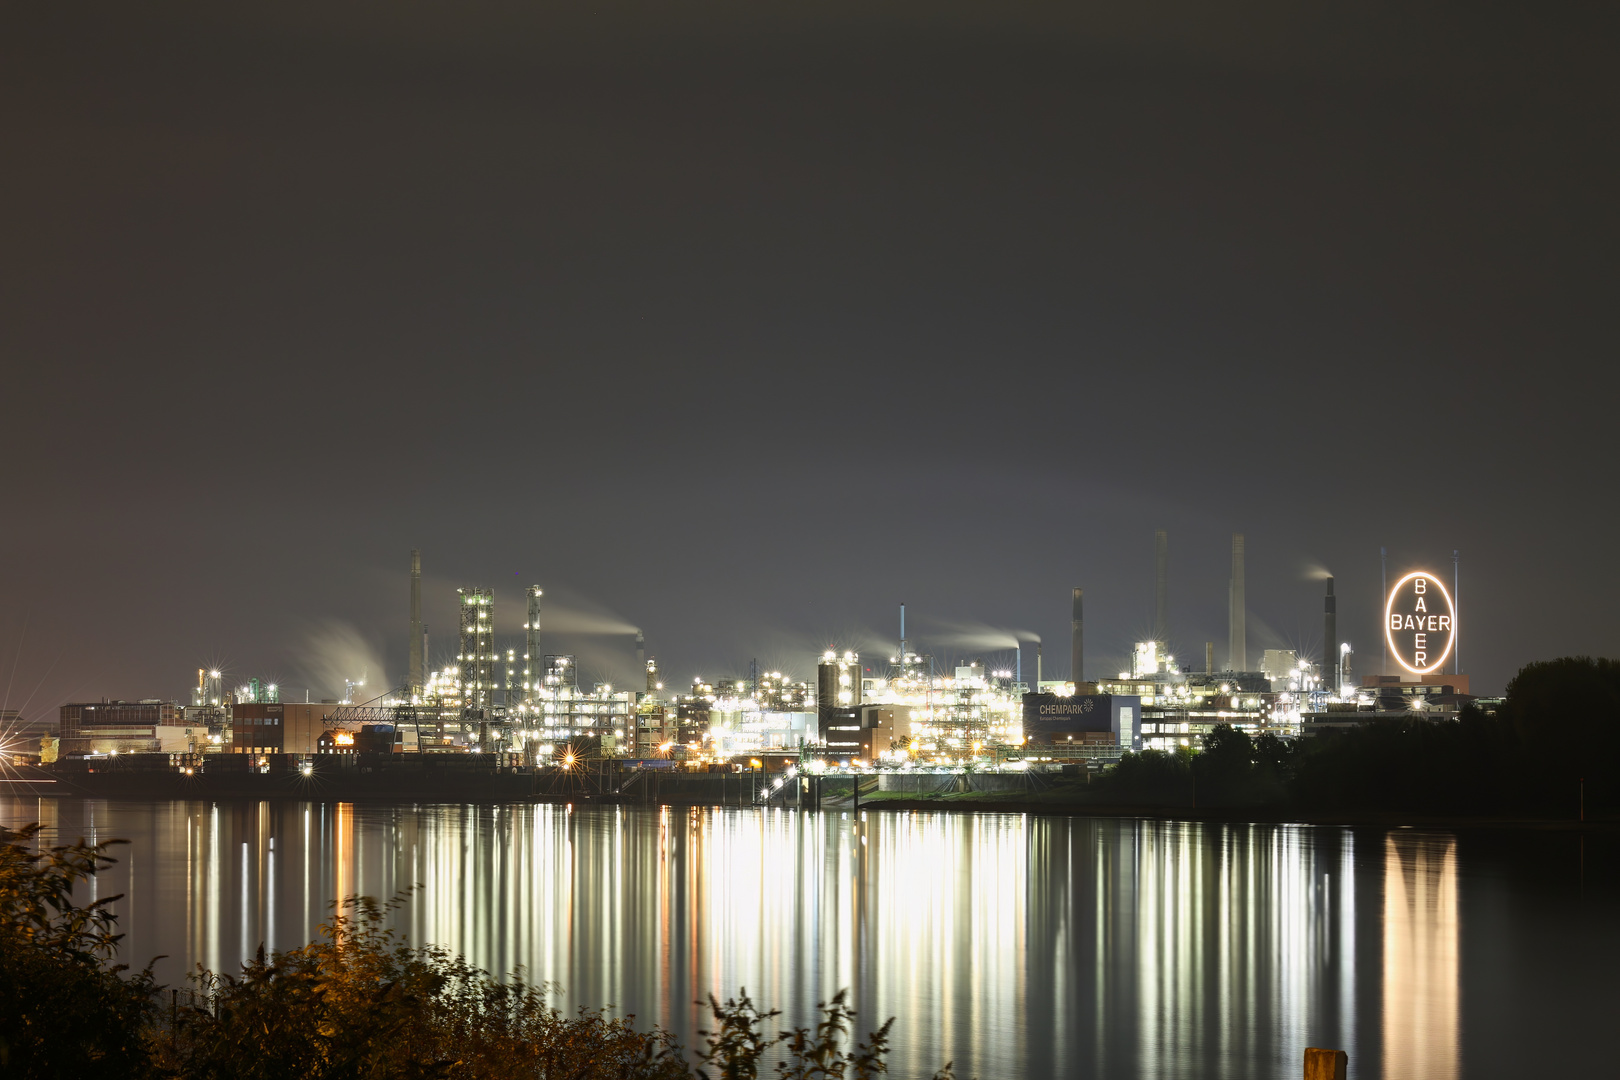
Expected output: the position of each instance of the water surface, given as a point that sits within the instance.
(1017, 946)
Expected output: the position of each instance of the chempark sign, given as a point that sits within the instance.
(1420, 623)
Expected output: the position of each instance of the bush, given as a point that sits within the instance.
(1152, 777)
(65, 1009)
(361, 1003)
(357, 1003)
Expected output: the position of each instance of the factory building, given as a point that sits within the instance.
(866, 733)
(127, 727)
(965, 714)
(657, 729)
(280, 727)
(1390, 697)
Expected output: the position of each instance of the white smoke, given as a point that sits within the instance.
(958, 634)
(335, 652)
(566, 612)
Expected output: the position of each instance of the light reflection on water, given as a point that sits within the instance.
(1017, 946)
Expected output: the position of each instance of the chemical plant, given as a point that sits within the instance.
(523, 707)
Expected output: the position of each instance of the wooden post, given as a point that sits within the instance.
(1325, 1064)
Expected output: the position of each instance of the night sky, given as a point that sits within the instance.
(744, 322)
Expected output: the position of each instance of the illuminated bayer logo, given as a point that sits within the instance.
(1420, 623)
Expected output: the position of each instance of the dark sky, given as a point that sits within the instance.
(744, 322)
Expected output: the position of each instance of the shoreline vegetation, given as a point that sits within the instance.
(1546, 758)
(357, 1003)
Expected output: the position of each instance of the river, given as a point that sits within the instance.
(1014, 945)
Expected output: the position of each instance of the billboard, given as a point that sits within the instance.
(1083, 712)
(1420, 623)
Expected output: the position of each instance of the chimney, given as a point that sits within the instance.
(1161, 593)
(1238, 655)
(641, 655)
(1037, 666)
(418, 651)
(1077, 642)
(1330, 642)
(1209, 658)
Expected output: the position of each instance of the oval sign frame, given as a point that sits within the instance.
(1451, 612)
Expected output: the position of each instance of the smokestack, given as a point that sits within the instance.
(1456, 613)
(1161, 593)
(1330, 635)
(1077, 642)
(1209, 658)
(418, 649)
(1037, 667)
(641, 655)
(1238, 649)
(1383, 568)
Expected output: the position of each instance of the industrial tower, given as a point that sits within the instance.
(1238, 658)
(475, 660)
(418, 675)
(531, 648)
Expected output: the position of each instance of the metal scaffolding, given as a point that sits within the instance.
(475, 659)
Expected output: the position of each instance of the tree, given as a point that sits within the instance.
(1566, 715)
(65, 1009)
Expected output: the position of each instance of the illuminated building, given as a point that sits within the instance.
(953, 718)
(657, 730)
(278, 727)
(767, 711)
(692, 712)
(1279, 664)
(561, 710)
(126, 727)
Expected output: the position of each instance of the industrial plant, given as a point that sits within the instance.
(518, 706)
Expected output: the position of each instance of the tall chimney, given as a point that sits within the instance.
(1238, 655)
(416, 677)
(1077, 642)
(1330, 642)
(1209, 658)
(641, 655)
(1456, 614)
(1037, 667)
(1161, 589)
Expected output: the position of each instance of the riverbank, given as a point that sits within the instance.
(414, 784)
(1057, 804)
(717, 790)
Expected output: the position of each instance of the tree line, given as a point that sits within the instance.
(1550, 749)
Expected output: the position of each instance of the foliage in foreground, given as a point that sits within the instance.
(66, 1010)
(359, 1003)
